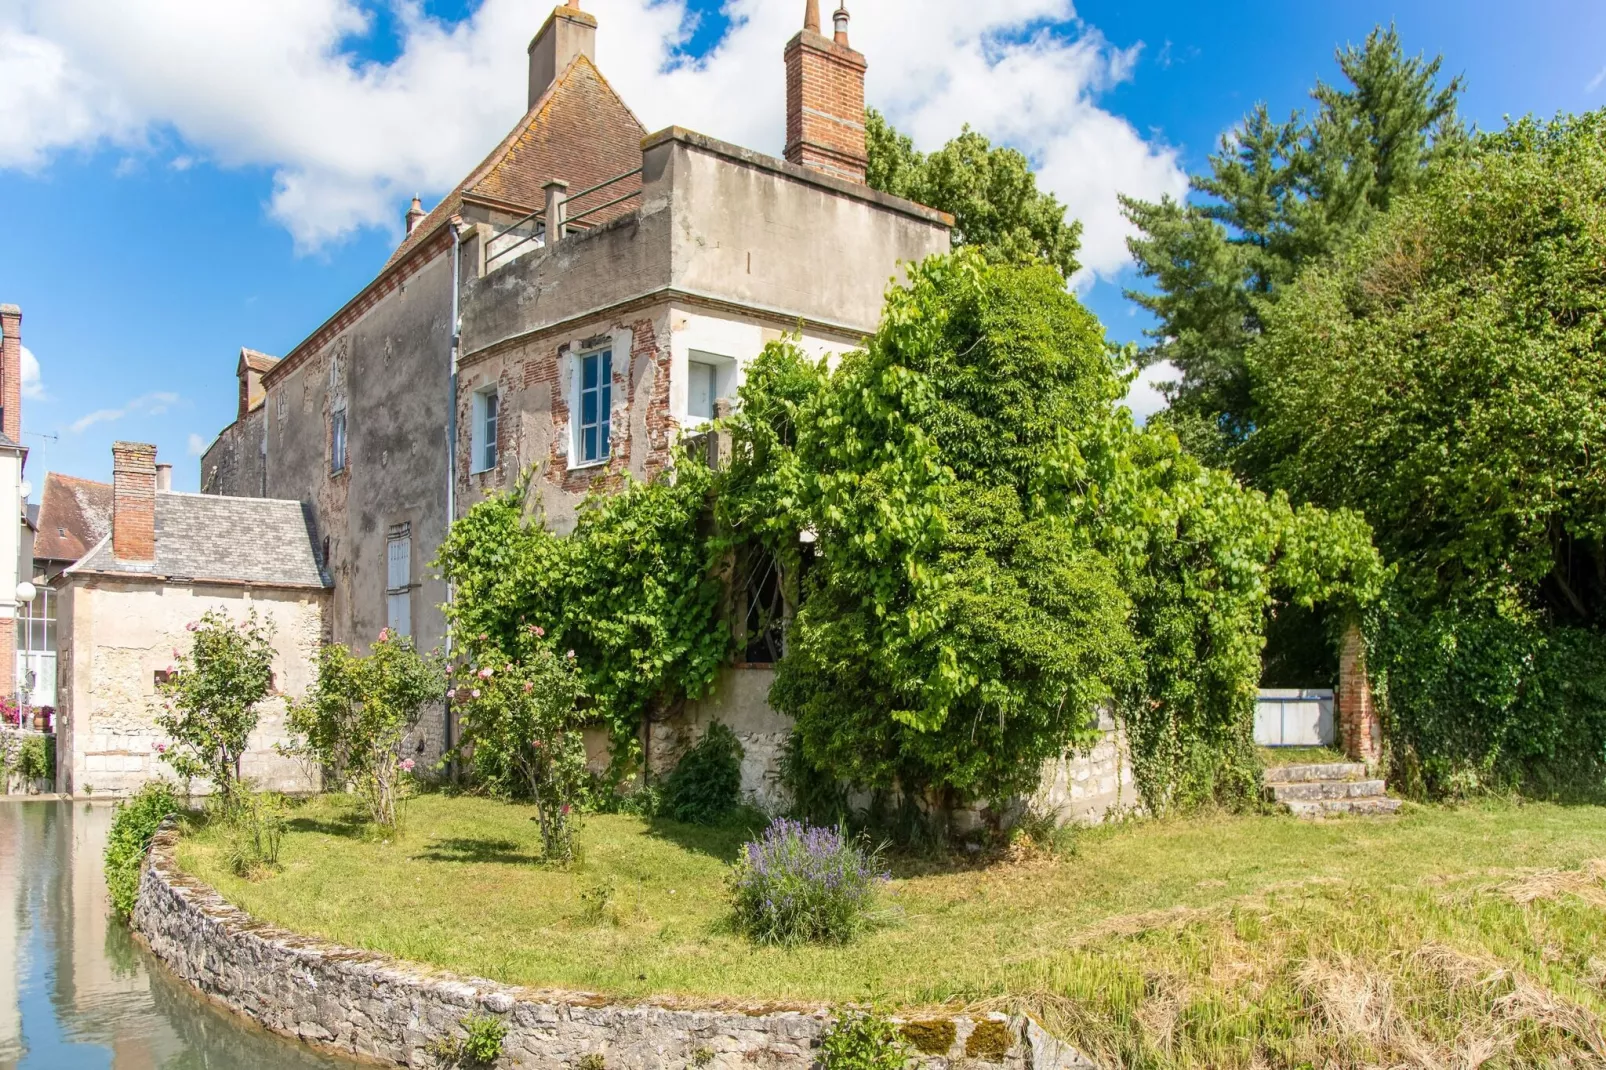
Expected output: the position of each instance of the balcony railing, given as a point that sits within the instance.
(558, 201)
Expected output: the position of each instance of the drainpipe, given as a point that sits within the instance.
(451, 443)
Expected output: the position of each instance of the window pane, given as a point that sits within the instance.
(606, 431)
(607, 367)
(700, 390)
(588, 408)
(588, 444)
(588, 372)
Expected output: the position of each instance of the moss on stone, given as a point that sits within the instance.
(990, 1041)
(934, 1036)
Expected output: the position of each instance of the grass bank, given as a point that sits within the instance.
(1470, 936)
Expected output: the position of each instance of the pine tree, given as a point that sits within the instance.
(1279, 195)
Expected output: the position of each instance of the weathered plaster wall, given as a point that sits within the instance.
(235, 464)
(115, 635)
(369, 1005)
(391, 369)
(740, 701)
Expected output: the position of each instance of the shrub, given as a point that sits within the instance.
(481, 1044)
(706, 786)
(253, 829)
(804, 884)
(36, 758)
(863, 1040)
(360, 710)
(134, 823)
(210, 698)
(522, 702)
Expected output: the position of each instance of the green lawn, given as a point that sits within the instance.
(1437, 938)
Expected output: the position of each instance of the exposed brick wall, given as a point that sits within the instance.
(825, 106)
(134, 501)
(1360, 728)
(533, 427)
(11, 372)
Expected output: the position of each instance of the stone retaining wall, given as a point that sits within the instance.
(374, 1007)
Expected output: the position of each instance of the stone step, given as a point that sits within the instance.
(1296, 774)
(1325, 789)
(1377, 805)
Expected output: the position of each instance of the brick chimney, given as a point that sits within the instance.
(134, 501)
(825, 99)
(569, 32)
(11, 373)
(415, 215)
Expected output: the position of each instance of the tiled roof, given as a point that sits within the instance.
(74, 514)
(233, 540)
(579, 132)
(258, 362)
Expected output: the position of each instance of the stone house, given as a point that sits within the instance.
(125, 604)
(585, 297)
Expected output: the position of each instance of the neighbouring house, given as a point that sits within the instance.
(586, 296)
(125, 604)
(72, 516)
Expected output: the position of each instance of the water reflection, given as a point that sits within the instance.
(76, 991)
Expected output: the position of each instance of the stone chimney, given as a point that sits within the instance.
(164, 477)
(134, 501)
(11, 373)
(569, 32)
(415, 215)
(825, 99)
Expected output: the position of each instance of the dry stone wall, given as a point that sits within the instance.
(377, 1008)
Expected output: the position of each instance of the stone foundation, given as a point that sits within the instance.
(371, 1006)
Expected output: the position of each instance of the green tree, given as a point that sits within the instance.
(1445, 375)
(210, 698)
(1280, 195)
(990, 191)
(356, 715)
(1000, 552)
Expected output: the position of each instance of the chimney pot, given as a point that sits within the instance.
(415, 215)
(840, 20)
(567, 34)
(134, 502)
(164, 477)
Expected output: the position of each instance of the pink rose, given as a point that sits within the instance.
(474, 693)
(407, 766)
(565, 809)
(528, 687)
(540, 632)
(452, 693)
(487, 672)
(384, 634)
(571, 655)
(161, 748)
(483, 637)
(192, 625)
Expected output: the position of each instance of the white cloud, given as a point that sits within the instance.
(246, 83)
(197, 445)
(1144, 397)
(154, 404)
(1596, 82)
(33, 388)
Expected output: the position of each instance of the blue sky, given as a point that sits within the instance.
(219, 183)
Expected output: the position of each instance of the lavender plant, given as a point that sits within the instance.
(803, 884)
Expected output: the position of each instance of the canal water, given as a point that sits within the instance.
(76, 991)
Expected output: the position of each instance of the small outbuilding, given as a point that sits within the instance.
(126, 605)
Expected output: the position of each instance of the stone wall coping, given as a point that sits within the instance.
(377, 1008)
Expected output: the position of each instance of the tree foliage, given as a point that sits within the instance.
(358, 712)
(990, 191)
(1280, 195)
(210, 698)
(1446, 375)
(631, 591)
(1000, 551)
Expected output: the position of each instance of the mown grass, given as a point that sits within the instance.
(1445, 937)
(1275, 756)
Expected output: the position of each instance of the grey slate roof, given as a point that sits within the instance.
(212, 537)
